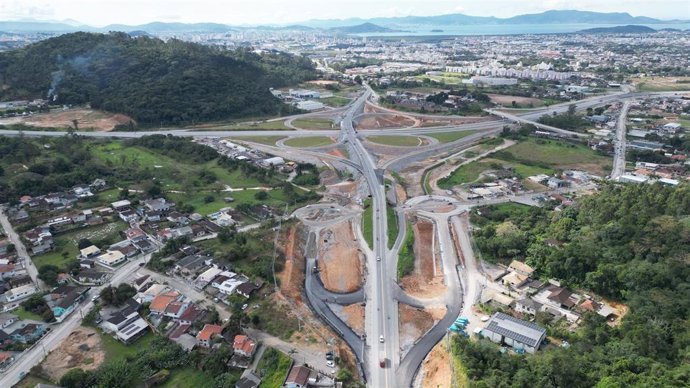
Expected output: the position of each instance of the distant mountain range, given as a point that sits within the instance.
(362, 28)
(548, 17)
(350, 26)
(630, 29)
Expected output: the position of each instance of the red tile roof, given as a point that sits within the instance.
(208, 331)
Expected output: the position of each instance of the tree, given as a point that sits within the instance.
(83, 243)
(77, 378)
(261, 195)
(124, 194)
(209, 199)
(116, 296)
(49, 274)
(358, 80)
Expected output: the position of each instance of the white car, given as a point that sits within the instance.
(330, 364)
(381, 339)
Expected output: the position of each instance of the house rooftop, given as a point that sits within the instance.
(208, 331)
(525, 332)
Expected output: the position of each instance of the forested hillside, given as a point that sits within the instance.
(152, 81)
(630, 243)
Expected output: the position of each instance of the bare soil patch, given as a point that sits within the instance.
(86, 119)
(292, 276)
(508, 100)
(340, 262)
(436, 369)
(413, 324)
(81, 349)
(437, 312)
(355, 317)
(385, 121)
(426, 281)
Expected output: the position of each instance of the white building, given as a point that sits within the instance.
(20, 292)
(516, 333)
(111, 258)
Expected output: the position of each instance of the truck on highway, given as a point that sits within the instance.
(382, 360)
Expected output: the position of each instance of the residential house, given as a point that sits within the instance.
(111, 259)
(513, 332)
(527, 306)
(89, 252)
(205, 336)
(562, 297)
(248, 380)
(521, 268)
(6, 319)
(175, 309)
(150, 294)
(229, 286)
(20, 292)
(246, 289)
(142, 282)
(126, 325)
(191, 314)
(28, 332)
(158, 205)
(207, 276)
(7, 271)
(244, 345)
(6, 359)
(121, 205)
(161, 302)
(135, 234)
(299, 377)
(128, 215)
(5, 339)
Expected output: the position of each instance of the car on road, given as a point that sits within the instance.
(330, 355)
(330, 364)
(381, 339)
(378, 258)
(244, 306)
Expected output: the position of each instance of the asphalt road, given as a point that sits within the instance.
(21, 249)
(58, 332)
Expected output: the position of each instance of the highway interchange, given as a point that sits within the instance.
(380, 291)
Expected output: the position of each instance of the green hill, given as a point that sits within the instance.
(152, 81)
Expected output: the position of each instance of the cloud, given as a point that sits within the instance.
(17, 9)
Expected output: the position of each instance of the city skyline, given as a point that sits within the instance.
(241, 13)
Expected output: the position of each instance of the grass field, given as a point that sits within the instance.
(406, 255)
(392, 226)
(660, 84)
(313, 123)
(268, 140)
(368, 223)
(447, 137)
(310, 141)
(276, 366)
(116, 350)
(555, 153)
(189, 378)
(201, 206)
(23, 314)
(531, 157)
(335, 101)
(398, 141)
(68, 243)
(278, 124)
(31, 381)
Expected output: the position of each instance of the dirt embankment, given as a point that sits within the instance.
(340, 260)
(81, 349)
(413, 324)
(355, 317)
(292, 276)
(86, 119)
(436, 371)
(379, 121)
(426, 281)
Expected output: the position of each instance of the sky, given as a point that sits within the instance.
(252, 12)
